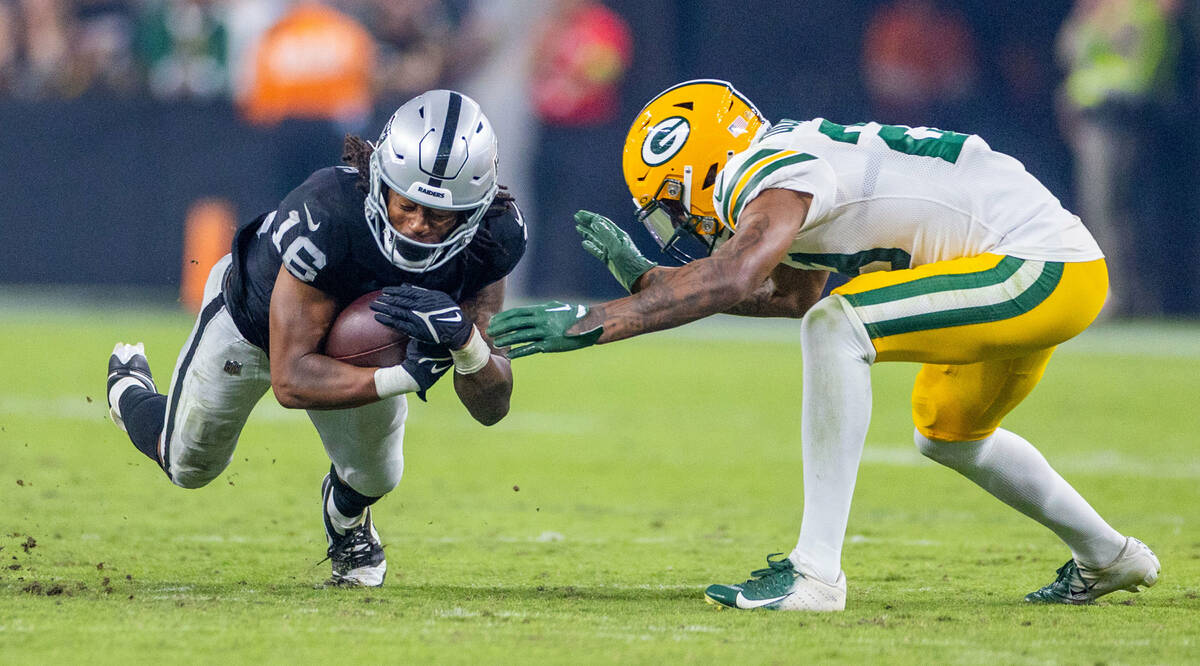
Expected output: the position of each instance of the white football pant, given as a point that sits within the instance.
(219, 377)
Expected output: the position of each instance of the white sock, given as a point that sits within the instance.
(118, 389)
(341, 523)
(1015, 472)
(836, 412)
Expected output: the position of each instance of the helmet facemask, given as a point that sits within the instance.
(680, 234)
(438, 151)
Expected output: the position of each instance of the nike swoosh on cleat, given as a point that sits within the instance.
(561, 308)
(743, 602)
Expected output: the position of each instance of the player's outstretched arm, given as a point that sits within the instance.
(704, 287)
(302, 376)
(787, 292)
(766, 228)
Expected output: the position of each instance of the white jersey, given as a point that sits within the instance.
(887, 197)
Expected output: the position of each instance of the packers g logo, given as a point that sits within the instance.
(665, 139)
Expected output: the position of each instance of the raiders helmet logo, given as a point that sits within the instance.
(665, 139)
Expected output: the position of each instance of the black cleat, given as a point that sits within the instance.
(357, 555)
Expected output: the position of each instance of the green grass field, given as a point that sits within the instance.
(585, 526)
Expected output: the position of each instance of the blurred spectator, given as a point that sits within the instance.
(246, 21)
(583, 51)
(183, 45)
(9, 64)
(102, 46)
(582, 54)
(311, 84)
(46, 64)
(492, 64)
(415, 39)
(315, 63)
(51, 49)
(1120, 58)
(917, 57)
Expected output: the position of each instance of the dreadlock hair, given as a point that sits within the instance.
(356, 152)
(483, 245)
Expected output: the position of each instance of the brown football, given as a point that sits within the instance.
(356, 338)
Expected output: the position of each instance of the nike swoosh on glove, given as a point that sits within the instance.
(423, 314)
(426, 363)
(542, 328)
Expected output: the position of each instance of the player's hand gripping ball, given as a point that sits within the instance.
(357, 338)
(423, 314)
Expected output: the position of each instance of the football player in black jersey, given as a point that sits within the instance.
(418, 214)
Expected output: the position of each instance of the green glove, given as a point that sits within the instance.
(543, 327)
(610, 244)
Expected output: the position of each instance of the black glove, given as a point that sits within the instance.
(423, 314)
(426, 363)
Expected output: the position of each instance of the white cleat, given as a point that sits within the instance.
(781, 587)
(1134, 568)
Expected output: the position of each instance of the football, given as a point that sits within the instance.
(356, 338)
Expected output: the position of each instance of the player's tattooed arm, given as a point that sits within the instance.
(486, 392)
(302, 376)
(668, 298)
(788, 292)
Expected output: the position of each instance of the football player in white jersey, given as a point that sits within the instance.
(958, 259)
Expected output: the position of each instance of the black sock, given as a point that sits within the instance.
(349, 502)
(143, 410)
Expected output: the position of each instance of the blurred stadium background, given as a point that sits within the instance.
(127, 123)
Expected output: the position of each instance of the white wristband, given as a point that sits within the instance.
(393, 381)
(474, 356)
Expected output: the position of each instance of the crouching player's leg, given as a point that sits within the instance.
(836, 410)
(975, 373)
(192, 431)
(366, 445)
(992, 319)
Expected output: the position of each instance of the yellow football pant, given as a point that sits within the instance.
(984, 327)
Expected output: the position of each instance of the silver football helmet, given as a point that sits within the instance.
(439, 151)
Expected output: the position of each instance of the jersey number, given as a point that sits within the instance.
(302, 257)
(920, 141)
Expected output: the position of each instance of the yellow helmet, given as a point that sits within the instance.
(676, 147)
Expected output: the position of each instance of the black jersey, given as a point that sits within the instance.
(320, 234)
